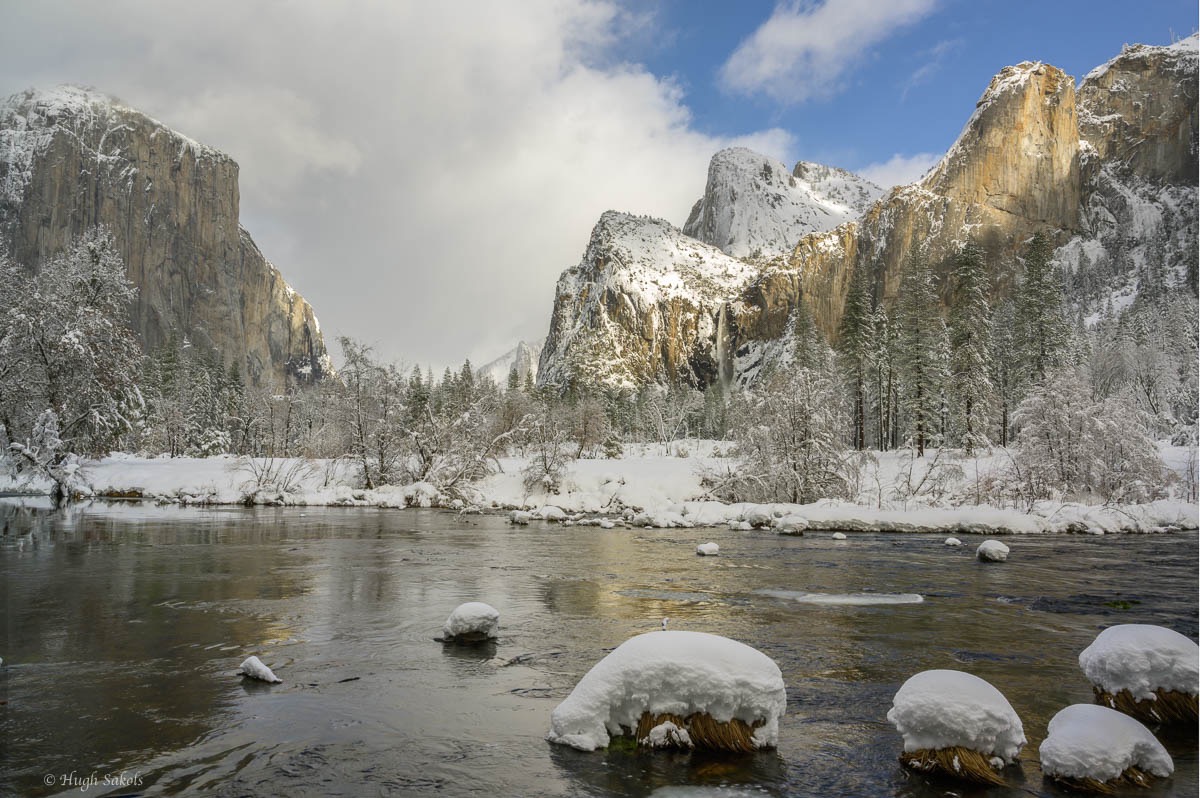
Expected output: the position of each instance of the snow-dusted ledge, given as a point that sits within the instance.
(650, 486)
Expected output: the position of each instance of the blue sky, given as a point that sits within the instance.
(422, 172)
(909, 91)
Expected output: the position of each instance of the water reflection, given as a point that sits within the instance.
(126, 624)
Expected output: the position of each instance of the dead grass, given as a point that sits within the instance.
(1171, 707)
(957, 762)
(732, 735)
(1132, 777)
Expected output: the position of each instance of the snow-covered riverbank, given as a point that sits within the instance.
(651, 485)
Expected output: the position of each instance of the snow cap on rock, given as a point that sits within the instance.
(1142, 658)
(939, 709)
(474, 619)
(992, 551)
(1085, 741)
(255, 669)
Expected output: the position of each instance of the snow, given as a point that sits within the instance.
(1142, 658)
(255, 669)
(754, 207)
(839, 536)
(953, 542)
(1085, 741)
(709, 549)
(680, 673)
(473, 618)
(667, 735)
(992, 551)
(944, 709)
(651, 485)
(845, 599)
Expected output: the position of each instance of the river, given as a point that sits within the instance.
(125, 625)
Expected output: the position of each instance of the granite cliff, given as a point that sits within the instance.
(1108, 171)
(71, 159)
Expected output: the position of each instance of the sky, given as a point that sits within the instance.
(423, 172)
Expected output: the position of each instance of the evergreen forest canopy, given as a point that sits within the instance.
(1077, 405)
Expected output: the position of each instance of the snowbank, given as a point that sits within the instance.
(676, 673)
(1085, 741)
(471, 622)
(1142, 658)
(652, 485)
(947, 709)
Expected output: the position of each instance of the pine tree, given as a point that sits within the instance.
(971, 392)
(854, 349)
(1042, 333)
(921, 338)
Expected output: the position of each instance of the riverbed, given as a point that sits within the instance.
(126, 623)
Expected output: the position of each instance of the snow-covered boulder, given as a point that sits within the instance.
(520, 517)
(1147, 671)
(839, 536)
(758, 517)
(791, 525)
(722, 693)
(709, 549)
(958, 724)
(953, 542)
(992, 551)
(551, 513)
(1096, 748)
(472, 622)
(254, 668)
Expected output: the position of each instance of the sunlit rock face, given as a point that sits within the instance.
(1107, 172)
(72, 158)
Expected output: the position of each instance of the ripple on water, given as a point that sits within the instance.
(844, 599)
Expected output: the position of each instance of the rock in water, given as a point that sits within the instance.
(473, 622)
(255, 669)
(992, 551)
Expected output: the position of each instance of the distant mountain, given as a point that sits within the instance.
(523, 356)
(752, 205)
(73, 158)
(1108, 172)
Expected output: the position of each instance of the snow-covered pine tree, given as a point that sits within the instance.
(1042, 334)
(921, 339)
(854, 351)
(971, 391)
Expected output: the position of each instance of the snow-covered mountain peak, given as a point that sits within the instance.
(754, 207)
(523, 357)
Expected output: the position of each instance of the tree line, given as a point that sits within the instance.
(1069, 398)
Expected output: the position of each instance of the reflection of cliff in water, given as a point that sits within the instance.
(114, 638)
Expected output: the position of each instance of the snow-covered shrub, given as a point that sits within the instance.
(1097, 749)
(1068, 446)
(957, 724)
(723, 694)
(1147, 671)
(269, 480)
(548, 451)
(472, 622)
(789, 441)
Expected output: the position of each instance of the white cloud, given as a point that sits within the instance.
(899, 170)
(421, 172)
(803, 50)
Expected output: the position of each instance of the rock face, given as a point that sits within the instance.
(524, 357)
(71, 159)
(753, 207)
(641, 307)
(1110, 175)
